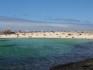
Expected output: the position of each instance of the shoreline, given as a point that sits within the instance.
(86, 64)
(83, 64)
(60, 34)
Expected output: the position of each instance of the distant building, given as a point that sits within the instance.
(8, 31)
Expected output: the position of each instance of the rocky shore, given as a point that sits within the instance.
(82, 65)
(86, 64)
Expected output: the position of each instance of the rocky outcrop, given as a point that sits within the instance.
(82, 65)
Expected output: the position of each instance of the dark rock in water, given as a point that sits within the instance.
(82, 65)
(85, 45)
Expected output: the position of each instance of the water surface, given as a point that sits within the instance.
(40, 54)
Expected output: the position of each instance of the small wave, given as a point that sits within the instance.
(10, 45)
(4, 40)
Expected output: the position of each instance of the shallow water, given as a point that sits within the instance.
(40, 54)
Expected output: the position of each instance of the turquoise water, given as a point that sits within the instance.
(40, 54)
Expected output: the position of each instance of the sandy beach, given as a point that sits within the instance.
(57, 34)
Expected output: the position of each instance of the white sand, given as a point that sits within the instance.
(85, 35)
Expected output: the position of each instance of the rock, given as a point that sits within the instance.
(82, 65)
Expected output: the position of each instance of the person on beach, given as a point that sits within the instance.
(18, 35)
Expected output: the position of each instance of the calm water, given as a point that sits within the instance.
(41, 54)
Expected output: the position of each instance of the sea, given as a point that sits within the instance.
(42, 53)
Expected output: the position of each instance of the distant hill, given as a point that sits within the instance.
(2, 18)
(24, 24)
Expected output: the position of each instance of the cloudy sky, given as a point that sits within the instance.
(46, 14)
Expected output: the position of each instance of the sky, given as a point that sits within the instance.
(54, 11)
